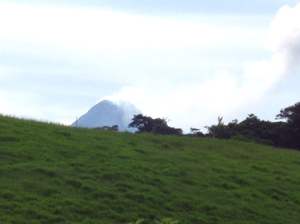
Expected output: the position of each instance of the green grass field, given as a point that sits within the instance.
(55, 174)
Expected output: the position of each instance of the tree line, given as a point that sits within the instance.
(279, 134)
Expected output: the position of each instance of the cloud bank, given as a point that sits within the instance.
(57, 61)
(188, 103)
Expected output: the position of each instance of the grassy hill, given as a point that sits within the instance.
(56, 174)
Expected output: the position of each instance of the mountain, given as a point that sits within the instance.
(107, 113)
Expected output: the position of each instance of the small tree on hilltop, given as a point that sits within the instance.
(109, 128)
(219, 130)
(145, 124)
(195, 132)
(156, 126)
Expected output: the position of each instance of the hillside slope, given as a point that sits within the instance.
(57, 174)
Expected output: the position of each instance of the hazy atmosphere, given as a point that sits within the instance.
(188, 61)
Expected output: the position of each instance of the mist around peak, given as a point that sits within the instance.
(108, 113)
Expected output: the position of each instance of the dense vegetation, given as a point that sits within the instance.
(57, 174)
(279, 134)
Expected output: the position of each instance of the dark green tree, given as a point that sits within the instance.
(280, 134)
(253, 129)
(155, 126)
(291, 130)
(250, 129)
(195, 132)
(218, 131)
(291, 114)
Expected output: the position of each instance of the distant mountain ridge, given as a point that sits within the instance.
(107, 113)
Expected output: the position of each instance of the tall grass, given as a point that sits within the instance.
(51, 173)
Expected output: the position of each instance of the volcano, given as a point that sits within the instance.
(108, 113)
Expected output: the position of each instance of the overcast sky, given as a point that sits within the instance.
(189, 61)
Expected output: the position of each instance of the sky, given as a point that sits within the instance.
(188, 61)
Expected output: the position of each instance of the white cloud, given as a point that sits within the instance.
(188, 69)
(190, 103)
(284, 41)
(102, 29)
(284, 36)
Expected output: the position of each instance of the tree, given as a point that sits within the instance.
(253, 129)
(146, 124)
(195, 132)
(220, 121)
(280, 134)
(250, 127)
(291, 130)
(109, 128)
(218, 131)
(291, 114)
(156, 126)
